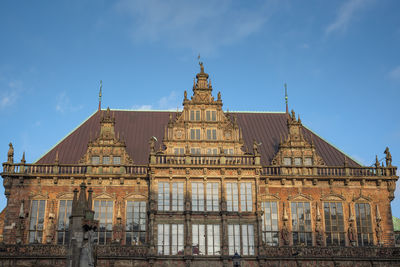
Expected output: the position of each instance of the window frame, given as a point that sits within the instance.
(240, 237)
(211, 244)
(307, 233)
(131, 234)
(329, 233)
(37, 233)
(360, 226)
(235, 194)
(169, 238)
(109, 224)
(170, 197)
(64, 232)
(210, 196)
(270, 235)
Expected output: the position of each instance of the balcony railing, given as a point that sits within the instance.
(203, 160)
(63, 169)
(325, 171)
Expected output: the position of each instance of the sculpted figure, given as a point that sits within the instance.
(351, 234)
(388, 157)
(285, 234)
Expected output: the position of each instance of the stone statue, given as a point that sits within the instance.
(388, 157)
(219, 96)
(255, 148)
(185, 95)
(152, 143)
(201, 67)
(10, 154)
(285, 234)
(379, 233)
(118, 231)
(87, 258)
(351, 234)
(319, 234)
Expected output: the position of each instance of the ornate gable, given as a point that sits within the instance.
(295, 150)
(107, 148)
(202, 128)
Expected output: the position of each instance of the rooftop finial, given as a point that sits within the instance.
(286, 99)
(101, 87)
(23, 158)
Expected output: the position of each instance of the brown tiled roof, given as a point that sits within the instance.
(136, 128)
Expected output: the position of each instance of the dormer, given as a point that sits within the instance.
(107, 148)
(202, 128)
(295, 150)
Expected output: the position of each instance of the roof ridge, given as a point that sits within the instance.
(65, 137)
(230, 111)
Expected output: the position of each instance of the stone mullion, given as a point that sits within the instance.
(151, 214)
(224, 224)
(258, 212)
(188, 219)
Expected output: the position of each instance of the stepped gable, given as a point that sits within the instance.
(135, 128)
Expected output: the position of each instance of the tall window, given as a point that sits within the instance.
(179, 151)
(301, 223)
(244, 232)
(195, 151)
(228, 151)
(211, 134)
(95, 160)
(103, 212)
(135, 222)
(232, 196)
(64, 212)
(195, 115)
(334, 225)
(116, 160)
(197, 196)
(106, 160)
(270, 232)
(246, 203)
(205, 239)
(212, 151)
(211, 115)
(36, 221)
(211, 196)
(364, 225)
(195, 134)
(170, 239)
(167, 191)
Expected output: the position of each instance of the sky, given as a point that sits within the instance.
(340, 60)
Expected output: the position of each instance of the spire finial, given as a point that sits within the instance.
(23, 158)
(101, 87)
(286, 99)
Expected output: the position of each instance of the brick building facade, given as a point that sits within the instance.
(194, 188)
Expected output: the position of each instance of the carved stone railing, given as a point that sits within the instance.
(64, 169)
(112, 251)
(328, 171)
(203, 159)
(33, 251)
(331, 252)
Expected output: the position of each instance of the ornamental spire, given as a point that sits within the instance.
(286, 100)
(101, 87)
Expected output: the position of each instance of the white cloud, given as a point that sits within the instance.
(395, 73)
(11, 93)
(345, 15)
(63, 104)
(170, 102)
(203, 26)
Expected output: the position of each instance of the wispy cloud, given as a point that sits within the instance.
(11, 93)
(395, 73)
(346, 14)
(63, 104)
(203, 26)
(170, 102)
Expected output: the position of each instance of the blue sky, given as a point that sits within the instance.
(340, 59)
